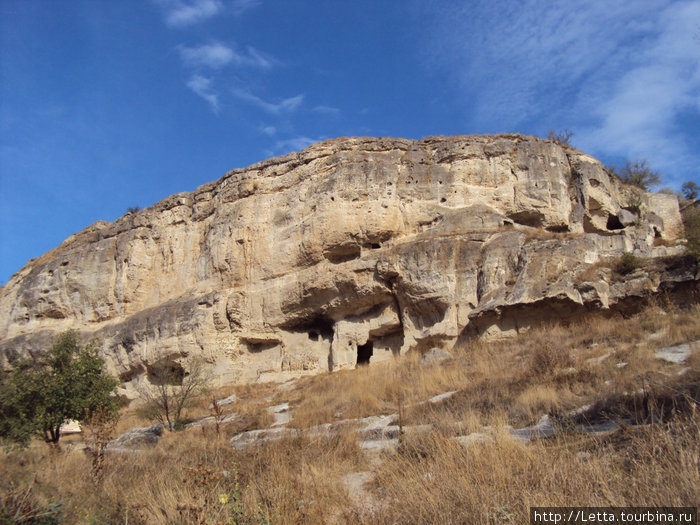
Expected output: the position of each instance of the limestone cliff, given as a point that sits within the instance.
(352, 249)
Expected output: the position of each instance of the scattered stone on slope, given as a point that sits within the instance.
(255, 437)
(211, 420)
(439, 398)
(281, 413)
(474, 438)
(543, 428)
(225, 401)
(378, 445)
(435, 356)
(598, 360)
(381, 433)
(676, 354)
(371, 428)
(136, 439)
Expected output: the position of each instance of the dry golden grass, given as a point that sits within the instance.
(194, 476)
(436, 480)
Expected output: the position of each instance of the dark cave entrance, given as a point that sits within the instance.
(166, 372)
(318, 328)
(614, 223)
(364, 352)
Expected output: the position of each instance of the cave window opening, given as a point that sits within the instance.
(614, 223)
(364, 353)
(316, 329)
(166, 373)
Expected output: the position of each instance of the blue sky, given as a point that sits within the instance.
(110, 104)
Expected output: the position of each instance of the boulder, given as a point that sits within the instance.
(136, 438)
(626, 218)
(676, 354)
(435, 356)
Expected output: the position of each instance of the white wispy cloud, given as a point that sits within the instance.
(639, 117)
(287, 105)
(216, 55)
(202, 87)
(292, 144)
(241, 6)
(327, 110)
(181, 13)
(268, 130)
(255, 58)
(620, 74)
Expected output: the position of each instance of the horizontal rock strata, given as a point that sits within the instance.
(351, 251)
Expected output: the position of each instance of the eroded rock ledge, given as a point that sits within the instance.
(350, 251)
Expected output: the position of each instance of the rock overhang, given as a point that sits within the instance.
(289, 265)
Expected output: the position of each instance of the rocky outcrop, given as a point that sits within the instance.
(350, 251)
(136, 439)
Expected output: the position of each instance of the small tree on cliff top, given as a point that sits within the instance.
(638, 173)
(40, 394)
(690, 190)
(563, 137)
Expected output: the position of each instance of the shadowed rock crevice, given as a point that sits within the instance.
(165, 372)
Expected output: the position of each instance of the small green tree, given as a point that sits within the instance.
(638, 173)
(690, 190)
(40, 394)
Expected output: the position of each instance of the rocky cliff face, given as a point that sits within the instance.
(351, 250)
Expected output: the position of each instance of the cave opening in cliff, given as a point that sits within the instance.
(529, 218)
(318, 328)
(614, 223)
(165, 372)
(364, 353)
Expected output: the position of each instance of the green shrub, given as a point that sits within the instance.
(638, 173)
(41, 393)
(690, 190)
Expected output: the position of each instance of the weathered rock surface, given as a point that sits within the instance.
(136, 438)
(350, 251)
(678, 353)
(435, 356)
